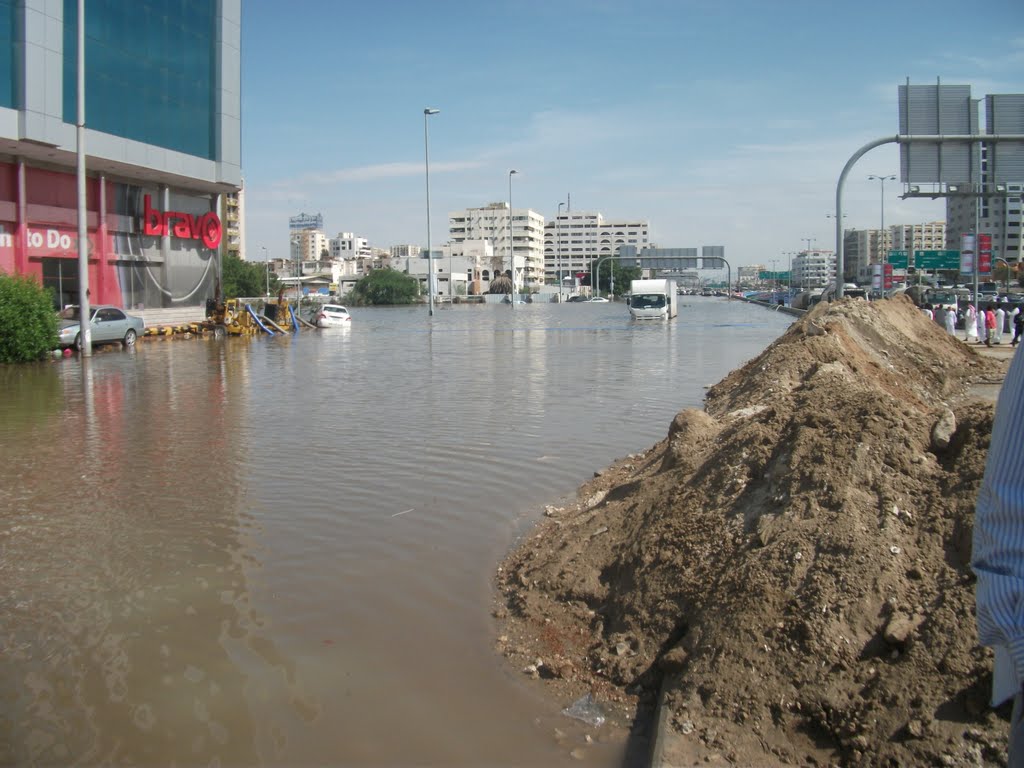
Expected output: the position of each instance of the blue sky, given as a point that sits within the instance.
(720, 122)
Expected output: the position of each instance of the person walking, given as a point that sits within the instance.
(997, 553)
(1018, 327)
(1000, 321)
(990, 325)
(970, 324)
(950, 321)
(982, 332)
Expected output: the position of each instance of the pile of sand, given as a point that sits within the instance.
(789, 568)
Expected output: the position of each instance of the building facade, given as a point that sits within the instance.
(998, 215)
(233, 216)
(492, 222)
(347, 246)
(575, 240)
(309, 245)
(813, 269)
(162, 147)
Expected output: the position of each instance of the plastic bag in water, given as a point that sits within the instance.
(587, 710)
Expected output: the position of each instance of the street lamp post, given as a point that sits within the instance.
(558, 245)
(882, 255)
(266, 260)
(511, 252)
(807, 252)
(426, 163)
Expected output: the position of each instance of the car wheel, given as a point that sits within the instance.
(78, 343)
(129, 337)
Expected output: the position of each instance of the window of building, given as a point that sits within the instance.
(11, 48)
(151, 74)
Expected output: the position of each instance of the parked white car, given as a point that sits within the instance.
(332, 316)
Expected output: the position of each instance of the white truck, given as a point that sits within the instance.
(652, 299)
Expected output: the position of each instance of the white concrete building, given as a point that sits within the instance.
(814, 268)
(576, 239)
(405, 251)
(308, 245)
(492, 222)
(347, 246)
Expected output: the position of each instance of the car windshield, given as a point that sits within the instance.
(653, 300)
(70, 312)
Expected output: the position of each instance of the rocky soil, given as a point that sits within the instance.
(788, 571)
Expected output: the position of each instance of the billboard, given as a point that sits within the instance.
(937, 110)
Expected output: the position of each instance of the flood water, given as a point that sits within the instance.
(280, 551)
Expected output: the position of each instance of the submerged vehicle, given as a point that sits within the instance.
(332, 316)
(652, 299)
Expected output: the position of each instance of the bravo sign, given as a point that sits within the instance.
(205, 227)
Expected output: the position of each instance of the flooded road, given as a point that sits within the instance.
(279, 551)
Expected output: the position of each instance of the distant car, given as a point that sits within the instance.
(332, 316)
(598, 299)
(576, 299)
(107, 325)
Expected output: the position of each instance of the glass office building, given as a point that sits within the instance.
(162, 144)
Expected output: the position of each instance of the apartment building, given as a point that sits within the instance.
(575, 240)
(493, 222)
(405, 251)
(930, 236)
(233, 216)
(347, 246)
(309, 245)
(814, 268)
(998, 214)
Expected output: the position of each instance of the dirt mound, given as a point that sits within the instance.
(789, 568)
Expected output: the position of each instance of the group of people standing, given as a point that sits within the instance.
(988, 325)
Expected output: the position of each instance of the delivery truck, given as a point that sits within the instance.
(652, 299)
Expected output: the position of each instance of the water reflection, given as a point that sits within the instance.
(278, 551)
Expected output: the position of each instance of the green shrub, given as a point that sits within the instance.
(28, 322)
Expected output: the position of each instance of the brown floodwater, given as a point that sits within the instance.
(279, 551)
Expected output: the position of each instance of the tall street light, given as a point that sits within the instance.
(426, 161)
(883, 257)
(511, 253)
(558, 245)
(266, 260)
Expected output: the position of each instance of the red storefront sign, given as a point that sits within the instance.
(205, 227)
(984, 254)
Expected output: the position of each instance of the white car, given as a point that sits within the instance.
(332, 316)
(598, 299)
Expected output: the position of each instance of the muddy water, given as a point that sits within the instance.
(279, 551)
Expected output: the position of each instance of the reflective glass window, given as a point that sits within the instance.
(10, 54)
(150, 71)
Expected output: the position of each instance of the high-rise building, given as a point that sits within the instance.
(162, 146)
(575, 240)
(492, 222)
(233, 216)
(997, 213)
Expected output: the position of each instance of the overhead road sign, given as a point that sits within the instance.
(937, 259)
(897, 259)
